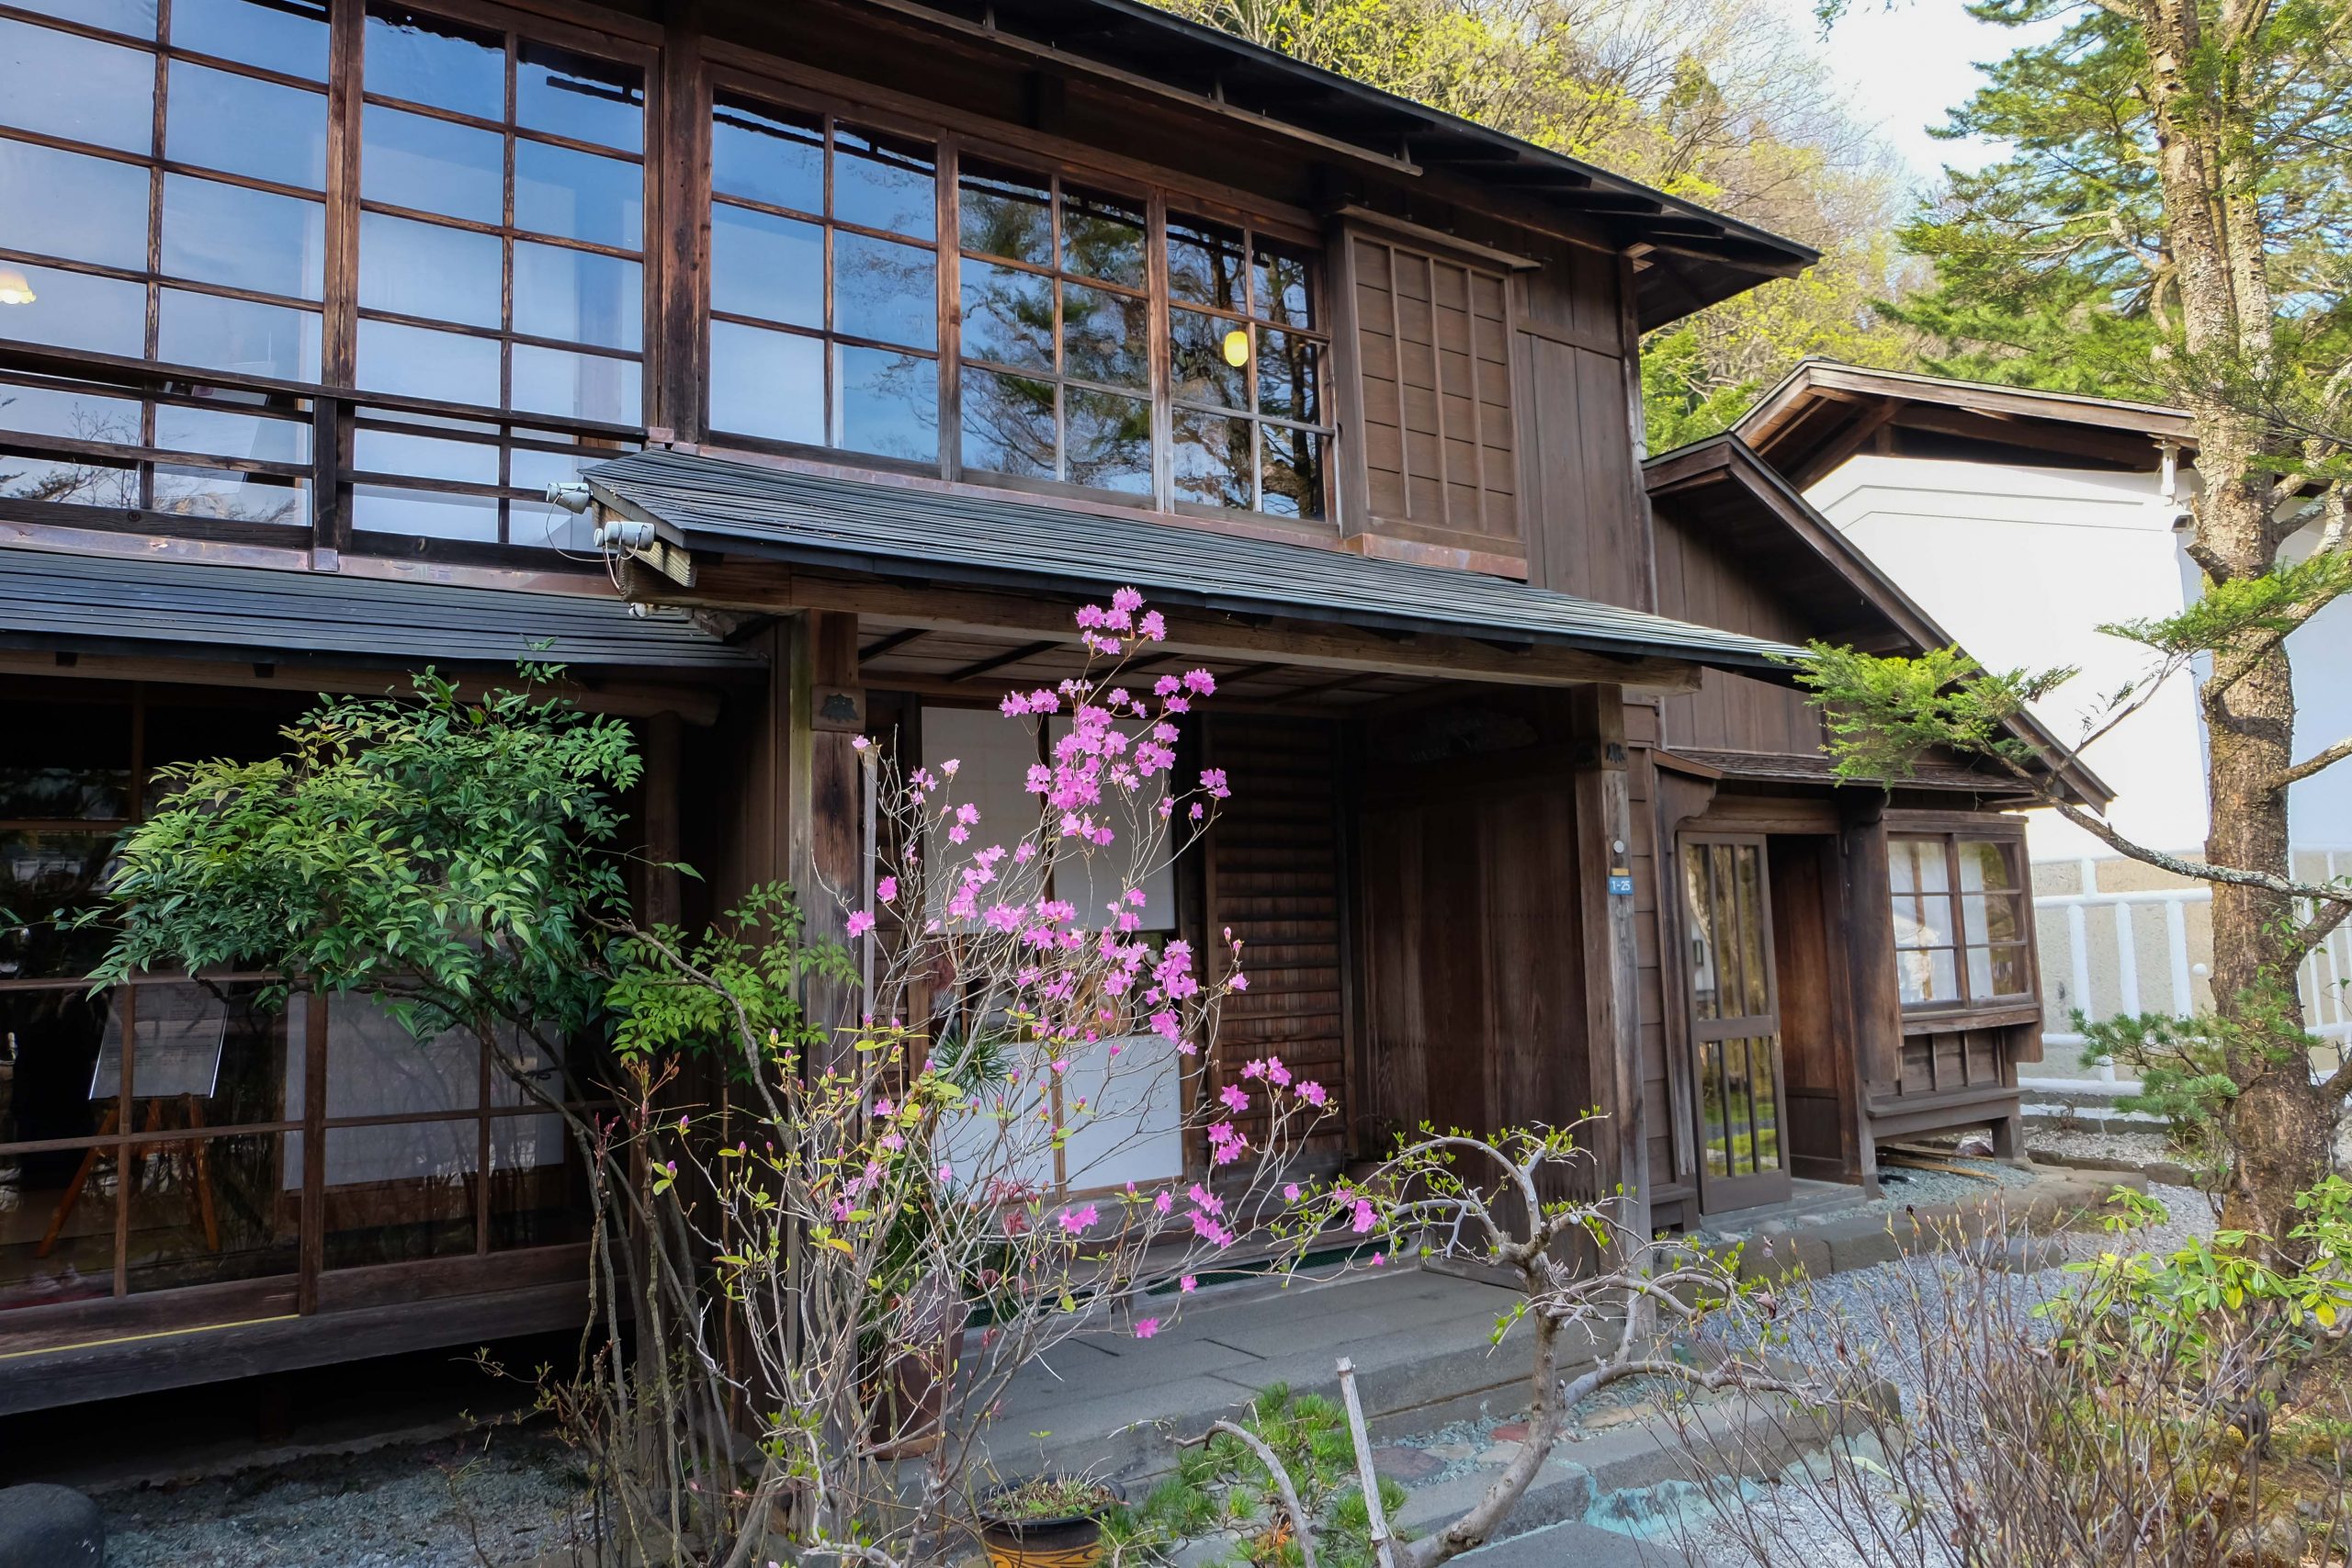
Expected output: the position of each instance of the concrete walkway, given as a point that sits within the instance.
(1422, 1343)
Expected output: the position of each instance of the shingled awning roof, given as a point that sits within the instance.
(933, 534)
(139, 604)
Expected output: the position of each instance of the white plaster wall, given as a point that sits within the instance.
(2022, 566)
(2319, 810)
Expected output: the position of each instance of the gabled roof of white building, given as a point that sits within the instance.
(1823, 412)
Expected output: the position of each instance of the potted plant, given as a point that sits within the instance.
(1047, 1521)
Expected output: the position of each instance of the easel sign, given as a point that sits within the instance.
(180, 1032)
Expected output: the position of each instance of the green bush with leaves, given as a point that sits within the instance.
(2195, 1290)
(454, 858)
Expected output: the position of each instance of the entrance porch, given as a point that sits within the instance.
(1433, 855)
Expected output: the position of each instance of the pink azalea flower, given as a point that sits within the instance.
(1147, 1327)
(1289, 1193)
(1078, 1222)
(860, 922)
(1313, 1094)
(1185, 1284)
(1365, 1217)
(1164, 1203)
(1379, 1260)
(1235, 1096)
(886, 889)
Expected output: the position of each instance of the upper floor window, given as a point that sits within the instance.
(1052, 329)
(501, 271)
(1246, 371)
(194, 237)
(1056, 329)
(1960, 920)
(824, 282)
(182, 229)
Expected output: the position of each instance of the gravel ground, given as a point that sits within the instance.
(482, 1503)
(1864, 1303)
(2139, 1146)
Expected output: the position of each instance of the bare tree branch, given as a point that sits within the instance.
(2318, 762)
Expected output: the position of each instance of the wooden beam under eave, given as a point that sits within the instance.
(697, 705)
(778, 588)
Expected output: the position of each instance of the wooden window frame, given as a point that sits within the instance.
(334, 407)
(1950, 831)
(514, 428)
(144, 457)
(957, 138)
(828, 336)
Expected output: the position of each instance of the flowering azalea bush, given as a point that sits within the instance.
(1010, 1139)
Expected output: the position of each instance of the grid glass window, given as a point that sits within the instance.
(1251, 430)
(824, 282)
(1960, 920)
(501, 276)
(162, 165)
(1053, 283)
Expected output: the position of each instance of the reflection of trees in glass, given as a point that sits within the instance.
(1106, 336)
(889, 403)
(1104, 236)
(1008, 424)
(888, 292)
(1005, 213)
(1008, 316)
(1110, 441)
(76, 479)
(1205, 263)
(1212, 460)
(1294, 477)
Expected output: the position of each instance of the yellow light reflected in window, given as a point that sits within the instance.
(16, 288)
(1236, 347)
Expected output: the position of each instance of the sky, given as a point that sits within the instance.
(1904, 64)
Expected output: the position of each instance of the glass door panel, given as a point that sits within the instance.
(1734, 1054)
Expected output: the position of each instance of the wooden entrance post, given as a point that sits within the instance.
(1604, 895)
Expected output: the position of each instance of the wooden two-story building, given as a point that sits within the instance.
(895, 329)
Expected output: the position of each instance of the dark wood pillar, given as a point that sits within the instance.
(658, 736)
(678, 182)
(1604, 895)
(1876, 994)
(825, 832)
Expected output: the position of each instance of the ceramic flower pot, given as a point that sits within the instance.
(1018, 1539)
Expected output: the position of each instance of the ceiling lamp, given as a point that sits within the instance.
(16, 288)
(1236, 347)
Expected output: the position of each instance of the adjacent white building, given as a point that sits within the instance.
(2023, 521)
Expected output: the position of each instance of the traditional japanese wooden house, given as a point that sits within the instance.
(880, 333)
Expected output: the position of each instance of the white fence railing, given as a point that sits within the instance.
(2143, 978)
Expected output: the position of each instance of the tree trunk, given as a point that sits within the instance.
(2283, 1132)
(2282, 1138)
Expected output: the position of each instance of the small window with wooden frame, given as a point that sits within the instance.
(501, 276)
(1251, 427)
(1962, 930)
